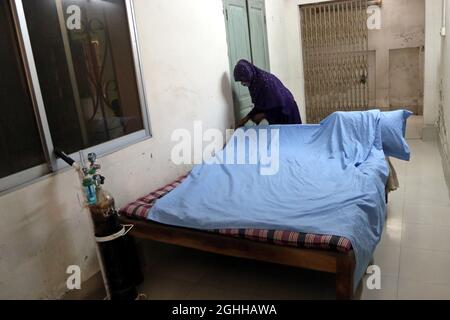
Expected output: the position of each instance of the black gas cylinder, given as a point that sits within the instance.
(117, 249)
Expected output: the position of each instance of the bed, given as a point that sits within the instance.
(323, 209)
(324, 253)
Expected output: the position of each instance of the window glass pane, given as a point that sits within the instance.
(85, 65)
(20, 145)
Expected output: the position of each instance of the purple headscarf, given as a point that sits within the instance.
(268, 94)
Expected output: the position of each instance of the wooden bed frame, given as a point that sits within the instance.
(341, 264)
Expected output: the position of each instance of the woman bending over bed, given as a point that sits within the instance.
(272, 100)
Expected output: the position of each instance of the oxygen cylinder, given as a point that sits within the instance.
(117, 249)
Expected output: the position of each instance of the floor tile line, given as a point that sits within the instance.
(401, 233)
(424, 249)
(434, 283)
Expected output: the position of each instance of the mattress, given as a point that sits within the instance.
(140, 210)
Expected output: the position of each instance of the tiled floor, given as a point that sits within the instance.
(414, 253)
(188, 274)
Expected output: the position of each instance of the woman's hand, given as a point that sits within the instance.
(243, 122)
(258, 118)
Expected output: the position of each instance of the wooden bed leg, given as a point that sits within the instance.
(345, 266)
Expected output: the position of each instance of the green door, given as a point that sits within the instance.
(258, 34)
(247, 39)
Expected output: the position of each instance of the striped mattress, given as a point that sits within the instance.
(140, 209)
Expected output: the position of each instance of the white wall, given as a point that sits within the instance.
(184, 56)
(433, 39)
(444, 115)
(437, 79)
(285, 51)
(44, 229)
(445, 67)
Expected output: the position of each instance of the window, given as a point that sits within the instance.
(20, 146)
(70, 79)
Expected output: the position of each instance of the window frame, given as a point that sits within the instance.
(52, 164)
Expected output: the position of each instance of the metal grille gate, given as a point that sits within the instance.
(335, 54)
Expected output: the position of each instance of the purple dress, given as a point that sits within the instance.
(268, 94)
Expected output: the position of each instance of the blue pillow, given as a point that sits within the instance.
(393, 132)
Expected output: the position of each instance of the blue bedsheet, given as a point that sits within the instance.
(331, 180)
